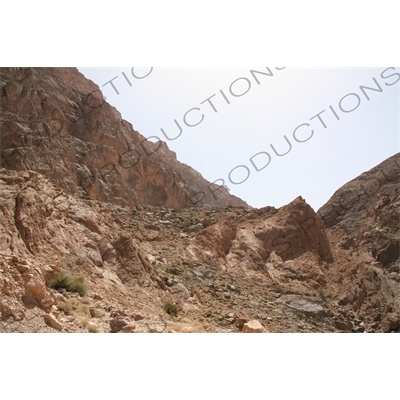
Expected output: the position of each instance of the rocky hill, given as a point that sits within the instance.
(56, 122)
(84, 248)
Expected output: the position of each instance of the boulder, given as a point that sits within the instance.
(310, 306)
(118, 324)
(53, 322)
(253, 327)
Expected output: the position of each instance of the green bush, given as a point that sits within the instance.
(171, 309)
(323, 297)
(376, 306)
(69, 283)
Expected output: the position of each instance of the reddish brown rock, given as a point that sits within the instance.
(68, 168)
(255, 243)
(56, 122)
(53, 322)
(119, 324)
(253, 327)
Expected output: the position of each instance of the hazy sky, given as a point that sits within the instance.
(234, 122)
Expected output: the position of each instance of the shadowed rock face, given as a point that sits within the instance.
(349, 205)
(56, 122)
(363, 220)
(367, 211)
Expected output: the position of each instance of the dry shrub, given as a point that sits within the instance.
(69, 283)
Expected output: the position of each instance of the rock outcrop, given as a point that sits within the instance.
(218, 268)
(363, 221)
(286, 247)
(56, 122)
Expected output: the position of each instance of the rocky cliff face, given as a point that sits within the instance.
(363, 220)
(367, 211)
(56, 122)
(153, 262)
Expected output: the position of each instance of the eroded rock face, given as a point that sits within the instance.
(280, 267)
(21, 285)
(56, 122)
(74, 172)
(374, 194)
(38, 221)
(363, 220)
(272, 244)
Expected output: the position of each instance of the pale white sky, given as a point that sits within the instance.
(262, 109)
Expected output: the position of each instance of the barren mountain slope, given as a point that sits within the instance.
(223, 268)
(56, 122)
(363, 220)
(101, 231)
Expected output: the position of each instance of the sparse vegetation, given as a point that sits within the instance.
(299, 315)
(323, 297)
(171, 308)
(92, 328)
(69, 283)
(84, 154)
(350, 324)
(134, 214)
(74, 307)
(85, 321)
(173, 270)
(316, 319)
(376, 306)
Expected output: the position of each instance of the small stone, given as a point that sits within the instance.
(253, 327)
(53, 322)
(240, 322)
(196, 228)
(59, 297)
(129, 328)
(55, 311)
(138, 317)
(152, 227)
(207, 222)
(22, 267)
(117, 324)
(342, 326)
(360, 328)
(198, 273)
(169, 282)
(95, 313)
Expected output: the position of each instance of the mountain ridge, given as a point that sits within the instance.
(73, 136)
(83, 200)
